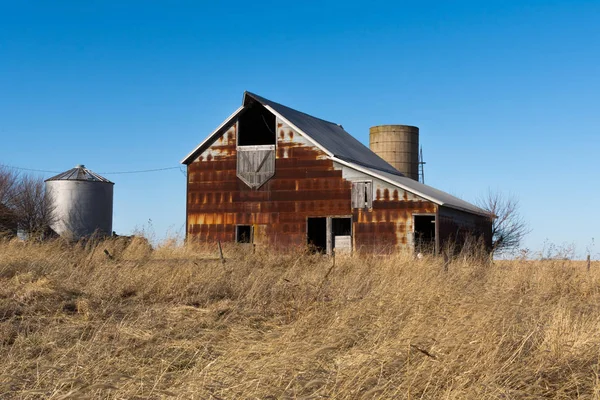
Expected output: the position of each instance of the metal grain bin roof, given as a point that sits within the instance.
(79, 173)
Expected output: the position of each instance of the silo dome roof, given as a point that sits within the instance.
(79, 173)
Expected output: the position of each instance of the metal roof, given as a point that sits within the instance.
(427, 192)
(79, 173)
(344, 148)
(329, 135)
(442, 198)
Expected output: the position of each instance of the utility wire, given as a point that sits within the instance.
(29, 169)
(101, 173)
(137, 172)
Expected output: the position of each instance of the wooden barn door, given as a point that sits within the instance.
(255, 164)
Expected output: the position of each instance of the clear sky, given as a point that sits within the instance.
(506, 93)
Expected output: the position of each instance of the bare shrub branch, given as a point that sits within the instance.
(32, 206)
(8, 188)
(508, 226)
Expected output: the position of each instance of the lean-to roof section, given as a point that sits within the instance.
(427, 192)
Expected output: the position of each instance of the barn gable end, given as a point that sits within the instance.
(280, 186)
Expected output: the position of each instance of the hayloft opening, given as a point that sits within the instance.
(316, 234)
(424, 230)
(256, 126)
(243, 234)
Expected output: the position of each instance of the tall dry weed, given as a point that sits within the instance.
(176, 322)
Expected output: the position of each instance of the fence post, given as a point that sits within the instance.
(589, 262)
(221, 252)
(333, 254)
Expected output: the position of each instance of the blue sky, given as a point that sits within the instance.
(506, 93)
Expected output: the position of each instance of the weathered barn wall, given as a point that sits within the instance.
(305, 184)
(454, 226)
(389, 224)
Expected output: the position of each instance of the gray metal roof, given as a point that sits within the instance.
(346, 148)
(79, 173)
(329, 135)
(438, 196)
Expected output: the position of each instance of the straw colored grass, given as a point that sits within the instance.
(177, 323)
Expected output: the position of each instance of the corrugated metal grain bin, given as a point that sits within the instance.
(82, 203)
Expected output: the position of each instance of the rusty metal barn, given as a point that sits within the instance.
(274, 176)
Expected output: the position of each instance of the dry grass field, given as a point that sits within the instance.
(174, 323)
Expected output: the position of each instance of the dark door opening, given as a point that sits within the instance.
(341, 226)
(243, 234)
(424, 229)
(316, 234)
(341, 231)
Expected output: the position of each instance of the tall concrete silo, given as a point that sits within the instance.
(82, 203)
(398, 145)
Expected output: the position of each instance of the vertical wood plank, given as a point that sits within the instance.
(329, 236)
(255, 166)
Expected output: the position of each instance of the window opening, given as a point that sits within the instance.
(424, 233)
(256, 126)
(243, 234)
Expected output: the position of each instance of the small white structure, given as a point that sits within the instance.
(82, 203)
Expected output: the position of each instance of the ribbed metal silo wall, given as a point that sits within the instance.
(81, 208)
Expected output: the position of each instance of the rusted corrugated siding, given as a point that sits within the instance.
(455, 225)
(305, 185)
(388, 226)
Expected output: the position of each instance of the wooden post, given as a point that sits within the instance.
(333, 255)
(589, 262)
(111, 257)
(221, 252)
(329, 236)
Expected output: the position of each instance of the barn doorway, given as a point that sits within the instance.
(424, 233)
(316, 234)
(341, 232)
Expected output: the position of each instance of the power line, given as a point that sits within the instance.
(28, 169)
(101, 173)
(138, 171)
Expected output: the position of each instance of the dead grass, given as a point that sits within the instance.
(176, 323)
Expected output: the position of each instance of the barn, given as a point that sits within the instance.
(274, 176)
